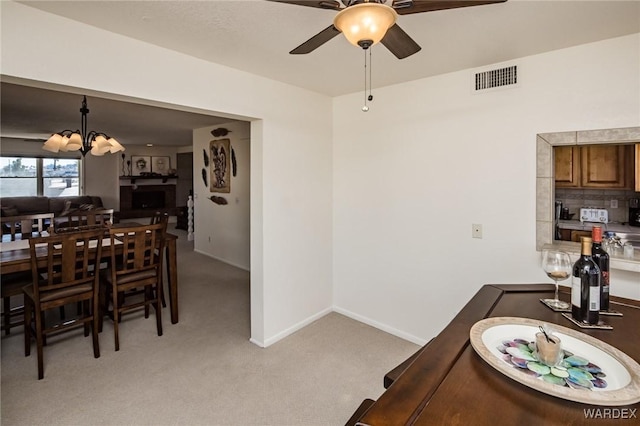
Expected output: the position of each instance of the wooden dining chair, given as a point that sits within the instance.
(160, 217)
(89, 217)
(104, 227)
(17, 228)
(25, 226)
(137, 265)
(64, 271)
(12, 307)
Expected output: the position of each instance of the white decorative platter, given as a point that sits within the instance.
(622, 372)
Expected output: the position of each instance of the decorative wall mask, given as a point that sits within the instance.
(220, 131)
(218, 200)
(219, 151)
(234, 164)
(204, 176)
(206, 157)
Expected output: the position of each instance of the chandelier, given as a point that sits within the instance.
(97, 143)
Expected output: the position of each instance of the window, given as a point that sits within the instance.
(52, 177)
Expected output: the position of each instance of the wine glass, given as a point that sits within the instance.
(557, 265)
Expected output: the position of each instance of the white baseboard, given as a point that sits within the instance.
(380, 326)
(258, 343)
(244, 268)
(271, 340)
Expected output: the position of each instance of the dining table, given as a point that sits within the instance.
(15, 257)
(451, 381)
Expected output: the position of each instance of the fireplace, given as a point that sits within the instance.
(144, 200)
(147, 200)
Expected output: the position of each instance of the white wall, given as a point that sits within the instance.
(95, 171)
(430, 158)
(290, 171)
(222, 231)
(404, 181)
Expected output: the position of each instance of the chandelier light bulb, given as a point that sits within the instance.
(365, 108)
(100, 145)
(63, 144)
(74, 142)
(115, 146)
(53, 143)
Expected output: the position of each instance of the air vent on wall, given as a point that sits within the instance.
(496, 78)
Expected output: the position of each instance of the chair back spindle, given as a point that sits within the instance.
(25, 226)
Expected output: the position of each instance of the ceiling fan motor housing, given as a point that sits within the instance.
(365, 44)
(348, 3)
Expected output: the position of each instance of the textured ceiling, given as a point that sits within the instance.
(256, 36)
(32, 113)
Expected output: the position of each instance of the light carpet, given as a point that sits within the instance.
(203, 370)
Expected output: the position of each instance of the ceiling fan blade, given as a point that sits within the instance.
(316, 41)
(399, 42)
(321, 4)
(406, 7)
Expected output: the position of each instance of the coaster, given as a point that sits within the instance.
(553, 308)
(600, 326)
(611, 313)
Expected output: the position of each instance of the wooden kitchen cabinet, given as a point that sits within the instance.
(595, 166)
(637, 167)
(565, 234)
(567, 166)
(577, 235)
(603, 166)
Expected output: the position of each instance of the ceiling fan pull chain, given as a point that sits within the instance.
(370, 70)
(365, 108)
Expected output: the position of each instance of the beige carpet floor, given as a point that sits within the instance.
(203, 370)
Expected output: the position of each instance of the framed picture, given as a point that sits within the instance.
(220, 175)
(160, 165)
(140, 164)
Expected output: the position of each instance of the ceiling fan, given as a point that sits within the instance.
(383, 17)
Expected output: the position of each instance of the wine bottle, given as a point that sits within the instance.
(601, 257)
(585, 286)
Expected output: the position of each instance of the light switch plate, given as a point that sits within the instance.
(614, 204)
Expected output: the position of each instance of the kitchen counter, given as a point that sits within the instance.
(617, 258)
(586, 226)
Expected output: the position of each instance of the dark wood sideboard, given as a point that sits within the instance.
(447, 383)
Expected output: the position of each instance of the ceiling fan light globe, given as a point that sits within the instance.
(365, 21)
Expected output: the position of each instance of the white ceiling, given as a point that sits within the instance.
(256, 36)
(29, 113)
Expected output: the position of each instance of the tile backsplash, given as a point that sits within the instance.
(574, 199)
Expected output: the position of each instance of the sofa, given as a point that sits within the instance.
(59, 206)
